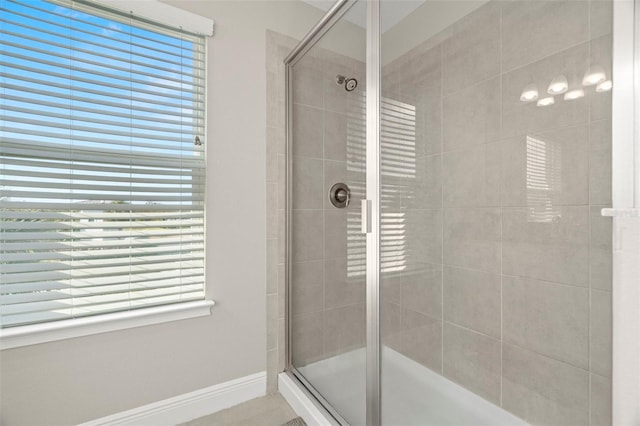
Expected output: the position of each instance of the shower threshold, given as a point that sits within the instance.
(412, 394)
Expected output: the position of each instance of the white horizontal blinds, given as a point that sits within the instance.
(102, 178)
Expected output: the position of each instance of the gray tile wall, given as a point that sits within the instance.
(504, 283)
(328, 278)
(328, 265)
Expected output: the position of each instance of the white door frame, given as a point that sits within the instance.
(626, 213)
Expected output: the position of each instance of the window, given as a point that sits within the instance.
(102, 163)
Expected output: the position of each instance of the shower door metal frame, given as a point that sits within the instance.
(373, 178)
(373, 100)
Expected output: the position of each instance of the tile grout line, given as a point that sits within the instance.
(324, 218)
(270, 320)
(442, 202)
(282, 238)
(589, 313)
(501, 222)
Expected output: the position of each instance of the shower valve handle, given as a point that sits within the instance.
(340, 195)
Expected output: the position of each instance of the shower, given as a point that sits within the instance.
(459, 272)
(349, 83)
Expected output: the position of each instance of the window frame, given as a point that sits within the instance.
(31, 334)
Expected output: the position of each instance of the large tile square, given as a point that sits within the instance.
(472, 53)
(552, 246)
(472, 238)
(551, 168)
(422, 339)
(548, 318)
(472, 300)
(472, 116)
(532, 30)
(543, 391)
(473, 360)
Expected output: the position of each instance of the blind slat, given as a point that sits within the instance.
(137, 278)
(98, 206)
(132, 169)
(76, 264)
(95, 120)
(95, 254)
(163, 89)
(148, 180)
(80, 108)
(92, 301)
(185, 100)
(68, 293)
(113, 46)
(116, 16)
(54, 248)
(86, 154)
(75, 225)
(36, 92)
(87, 64)
(76, 184)
(70, 215)
(85, 234)
(94, 272)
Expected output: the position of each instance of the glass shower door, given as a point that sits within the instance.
(495, 261)
(327, 249)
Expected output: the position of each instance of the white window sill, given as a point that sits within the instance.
(26, 335)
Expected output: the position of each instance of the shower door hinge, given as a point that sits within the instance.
(365, 206)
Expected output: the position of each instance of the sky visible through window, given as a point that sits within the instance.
(86, 74)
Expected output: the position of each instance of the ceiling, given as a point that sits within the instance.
(392, 11)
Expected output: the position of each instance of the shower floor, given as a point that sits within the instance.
(411, 393)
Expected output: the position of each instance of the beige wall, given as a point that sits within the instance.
(75, 380)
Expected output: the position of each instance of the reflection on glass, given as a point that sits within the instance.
(546, 101)
(529, 93)
(400, 178)
(544, 178)
(574, 94)
(558, 85)
(605, 86)
(594, 76)
(356, 167)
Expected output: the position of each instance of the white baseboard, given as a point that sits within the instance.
(189, 406)
(301, 402)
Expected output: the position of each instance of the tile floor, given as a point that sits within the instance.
(270, 410)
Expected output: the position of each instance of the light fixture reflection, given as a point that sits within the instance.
(558, 85)
(594, 75)
(574, 94)
(529, 93)
(605, 86)
(546, 101)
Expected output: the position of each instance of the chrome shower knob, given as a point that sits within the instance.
(340, 195)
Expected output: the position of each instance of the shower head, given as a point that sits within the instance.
(349, 83)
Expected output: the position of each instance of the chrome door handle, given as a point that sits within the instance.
(365, 211)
